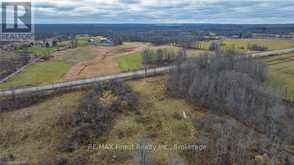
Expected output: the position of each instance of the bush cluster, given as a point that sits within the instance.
(256, 47)
(231, 143)
(94, 117)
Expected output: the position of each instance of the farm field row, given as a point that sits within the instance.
(281, 71)
(242, 44)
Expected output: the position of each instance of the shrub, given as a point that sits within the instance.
(256, 47)
(214, 46)
(142, 156)
(94, 118)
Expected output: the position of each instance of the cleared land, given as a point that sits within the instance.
(84, 40)
(131, 62)
(38, 129)
(242, 44)
(39, 73)
(104, 62)
(271, 44)
(281, 69)
(41, 51)
(35, 129)
(72, 64)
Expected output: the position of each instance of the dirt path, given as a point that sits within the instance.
(103, 64)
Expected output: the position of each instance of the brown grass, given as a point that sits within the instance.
(103, 63)
(31, 134)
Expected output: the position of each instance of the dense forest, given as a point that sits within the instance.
(159, 34)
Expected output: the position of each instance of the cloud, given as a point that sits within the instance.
(163, 11)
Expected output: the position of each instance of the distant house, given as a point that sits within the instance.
(105, 41)
(92, 41)
(236, 36)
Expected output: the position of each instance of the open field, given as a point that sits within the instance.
(39, 73)
(281, 70)
(242, 44)
(39, 125)
(35, 129)
(104, 62)
(52, 70)
(72, 64)
(40, 51)
(83, 41)
(74, 56)
(90, 61)
(271, 44)
(130, 62)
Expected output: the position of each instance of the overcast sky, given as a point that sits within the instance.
(164, 11)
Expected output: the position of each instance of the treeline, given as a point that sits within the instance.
(162, 57)
(10, 64)
(229, 142)
(159, 32)
(234, 85)
(256, 47)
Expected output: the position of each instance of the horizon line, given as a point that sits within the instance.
(163, 23)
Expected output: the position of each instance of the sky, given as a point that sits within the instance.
(164, 11)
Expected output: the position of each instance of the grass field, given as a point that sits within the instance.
(130, 62)
(281, 70)
(74, 56)
(83, 41)
(35, 129)
(39, 73)
(40, 51)
(271, 44)
(242, 44)
(159, 118)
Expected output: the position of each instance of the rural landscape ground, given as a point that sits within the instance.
(35, 132)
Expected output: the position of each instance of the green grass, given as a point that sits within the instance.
(271, 44)
(242, 44)
(50, 71)
(281, 71)
(83, 41)
(39, 73)
(77, 55)
(130, 62)
(40, 51)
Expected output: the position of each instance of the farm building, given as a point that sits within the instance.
(105, 41)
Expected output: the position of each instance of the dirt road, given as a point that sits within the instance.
(104, 63)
